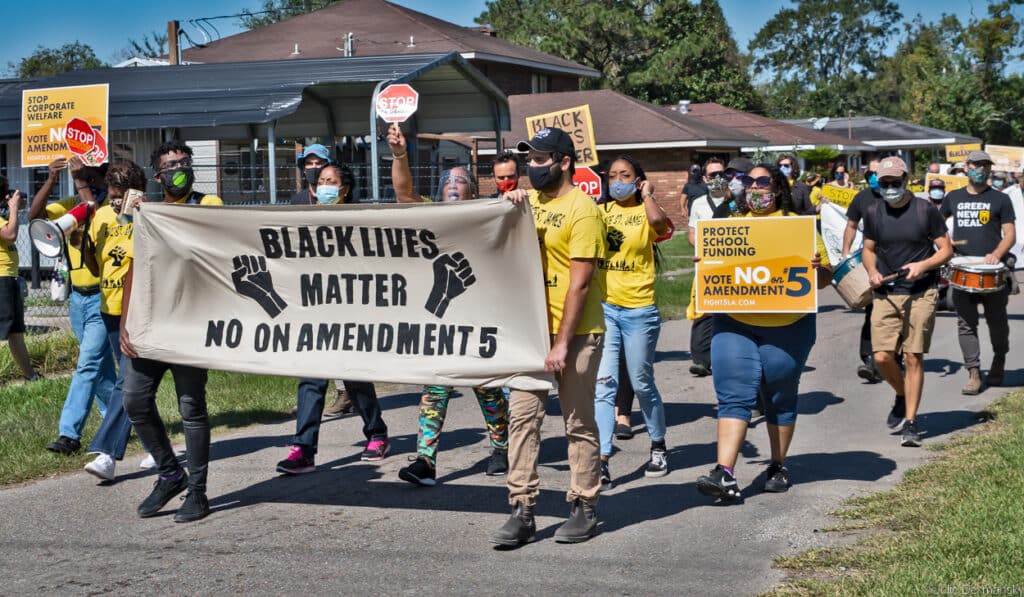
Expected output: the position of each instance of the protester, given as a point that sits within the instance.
(937, 191)
(12, 304)
(760, 353)
(94, 372)
(572, 239)
(867, 370)
(704, 209)
(933, 168)
(839, 176)
(1000, 181)
(457, 184)
(506, 172)
(172, 167)
(790, 168)
(815, 196)
(984, 217)
(957, 169)
(694, 188)
(632, 322)
(901, 234)
(334, 186)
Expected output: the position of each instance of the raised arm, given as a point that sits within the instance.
(401, 174)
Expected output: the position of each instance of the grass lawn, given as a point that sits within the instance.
(954, 526)
(673, 292)
(54, 351)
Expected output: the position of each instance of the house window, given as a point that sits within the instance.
(539, 83)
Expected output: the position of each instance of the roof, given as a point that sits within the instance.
(778, 135)
(883, 132)
(304, 97)
(379, 28)
(622, 122)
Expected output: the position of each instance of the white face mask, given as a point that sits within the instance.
(893, 195)
(936, 194)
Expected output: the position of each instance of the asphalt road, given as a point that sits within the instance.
(355, 528)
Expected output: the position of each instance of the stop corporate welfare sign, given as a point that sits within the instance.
(397, 103)
(59, 122)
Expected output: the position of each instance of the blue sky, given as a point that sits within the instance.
(110, 24)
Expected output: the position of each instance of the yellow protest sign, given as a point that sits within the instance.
(953, 182)
(958, 153)
(756, 265)
(1006, 158)
(45, 115)
(838, 195)
(574, 121)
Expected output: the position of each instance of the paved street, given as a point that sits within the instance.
(355, 528)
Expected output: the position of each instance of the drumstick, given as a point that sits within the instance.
(959, 243)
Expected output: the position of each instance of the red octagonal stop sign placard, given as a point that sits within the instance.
(397, 103)
(79, 136)
(588, 181)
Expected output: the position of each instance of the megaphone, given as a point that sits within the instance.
(49, 237)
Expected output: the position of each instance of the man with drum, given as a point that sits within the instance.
(984, 218)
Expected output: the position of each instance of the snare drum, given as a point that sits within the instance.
(850, 280)
(971, 274)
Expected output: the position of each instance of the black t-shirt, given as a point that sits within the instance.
(303, 197)
(861, 202)
(692, 191)
(904, 235)
(978, 219)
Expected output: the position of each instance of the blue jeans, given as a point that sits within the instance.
(747, 359)
(633, 332)
(310, 409)
(94, 375)
(112, 436)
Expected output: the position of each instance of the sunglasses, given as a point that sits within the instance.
(890, 184)
(760, 181)
(734, 175)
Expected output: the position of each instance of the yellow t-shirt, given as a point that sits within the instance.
(81, 277)
(777, 320)
(113, 254)
(569, 227)
(8, 255)
(629, 264)
(206, 200)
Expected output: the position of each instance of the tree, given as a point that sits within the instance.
(46, 62)
(279, 10)
(152, 45)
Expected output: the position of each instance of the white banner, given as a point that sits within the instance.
(833, 225)
(445, 293)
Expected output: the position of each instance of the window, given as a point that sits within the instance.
(539, 83)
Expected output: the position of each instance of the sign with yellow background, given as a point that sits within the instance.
(953, 182)
(839, 195)
(1006, 158)
(958, 153)
(574, 121)
(756, 265)
(45, 114)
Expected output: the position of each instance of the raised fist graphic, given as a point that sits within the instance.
(252, 279)
(117, 255)
(452, 276)
(615, 239)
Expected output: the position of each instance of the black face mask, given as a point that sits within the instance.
(312, 176)
(177, 183)
(545, 178)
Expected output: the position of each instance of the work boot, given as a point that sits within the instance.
(520, 528)
(582, 524)
(973, 387)
(342, 405)
(995, 372)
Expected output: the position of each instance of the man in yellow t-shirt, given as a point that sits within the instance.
(12, 307)
(571, 233)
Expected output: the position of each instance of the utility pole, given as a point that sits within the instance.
(173, 53)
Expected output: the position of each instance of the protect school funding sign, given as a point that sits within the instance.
(45, 114)
(756, 265)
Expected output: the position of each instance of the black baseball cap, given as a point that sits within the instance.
(740, 164)
(550, 140)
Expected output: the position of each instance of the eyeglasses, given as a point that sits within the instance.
(760, 181)
(182, 163)
(458, 179)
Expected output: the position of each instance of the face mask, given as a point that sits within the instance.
(998, 183)
(327, 194)
(977, 175)
(507, 185)
(893, 195)
(839, 175)
(936, 194)
(177, 183)
(717, 187)
(620, 191)
(786, 170)
(545, 178)
(736, 187)
(760, 201)
(872, 180)
(312, 176)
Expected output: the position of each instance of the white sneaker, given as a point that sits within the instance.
(103, 467)
(148, 462)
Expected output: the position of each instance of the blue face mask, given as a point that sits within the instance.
(786, 170)
(327, 194)
(620, 191)
(873, 180)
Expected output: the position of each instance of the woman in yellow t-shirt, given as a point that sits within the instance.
(759, 353)
(633, 221)
(12, 307)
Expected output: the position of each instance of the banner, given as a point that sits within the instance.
(1006, 158)
(442, 293)
(838, 195)
(756, 265)
(953, 181)
(45, 118)
(958, 153)
(574, 121)
(833, 226)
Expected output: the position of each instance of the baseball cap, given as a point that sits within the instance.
(550, 140)
(937, 183)
(740, 164)
(315, 149)
(891, 166)
(976, 157)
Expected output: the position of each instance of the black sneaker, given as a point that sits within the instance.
(64, 445)
(420, 472)
(777, 480)
(700, 370)
(518, 529)
(194, 507)
(657, 466)
(868, 371)
(163, 491)
(606, 476)
(899, 410)
(910, 437)
(498, 463)
(582, 524)
(300, 460)
(719, 483)
(623, 431)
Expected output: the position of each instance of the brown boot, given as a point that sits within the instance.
(973, 387)
(342, 405)
(995, 372)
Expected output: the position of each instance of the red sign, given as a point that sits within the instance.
(98, 154)
(397, 103)
(79, 136)
(588, 181)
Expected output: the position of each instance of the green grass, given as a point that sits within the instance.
(49, 353)
(952, 526)
(673, 295)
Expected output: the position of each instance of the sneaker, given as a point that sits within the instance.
(719, 483)
(658, 465)
(340, 407)
(700, 370)
(623, 431)
(582, 524)
(868, 371)
(520, 528)
(498, 463)
(899, 410)
(777, 480)
(299, 461)
(996, 371)
(103, 467)
(420, 472)
(195, 507)
(376, 449)
(606, 476)
(148, 462)
(64, 445)
(163, 491)
(910, 437)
